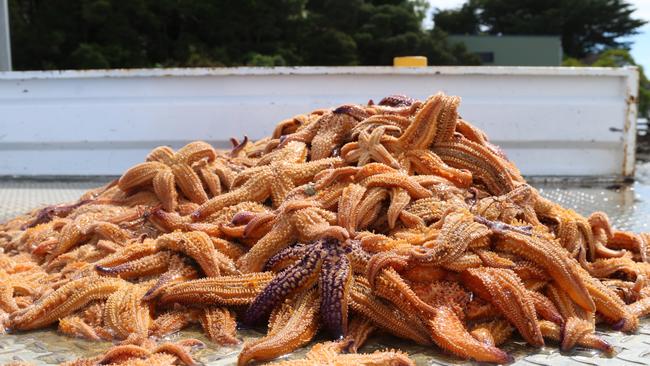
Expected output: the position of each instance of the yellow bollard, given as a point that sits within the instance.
(410, 61)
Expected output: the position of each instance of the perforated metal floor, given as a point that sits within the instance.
(18, 196)
(627, 205)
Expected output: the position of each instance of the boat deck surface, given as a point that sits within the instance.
(628, 206)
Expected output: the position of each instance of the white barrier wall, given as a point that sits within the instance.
(550, 121)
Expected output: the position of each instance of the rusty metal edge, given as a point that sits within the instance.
(629, 129)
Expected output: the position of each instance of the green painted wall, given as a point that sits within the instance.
(514, 50)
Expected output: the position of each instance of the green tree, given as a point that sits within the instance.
(585, 26)
(62, 34)
(463, 20)
(143, 33)
(378, 30)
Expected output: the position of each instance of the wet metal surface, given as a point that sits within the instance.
(18, 196)
(627, 205)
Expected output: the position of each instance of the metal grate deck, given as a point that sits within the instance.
(627, 205)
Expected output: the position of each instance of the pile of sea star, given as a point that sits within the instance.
(398, 217)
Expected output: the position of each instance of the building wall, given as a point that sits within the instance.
(514, 50)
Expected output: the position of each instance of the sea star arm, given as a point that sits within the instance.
(504, 289)
(416, 190)
(179, 270)
(181, 350)
(458, 231)
(255, 189)
(219, 325)
(482, 163)
(399, 199)
(293, 152)
(275, 240)
(640, 308)
(391, 122)
(393, 288)
(195, 244)
(169, 322)
(306, 133)
(223, 290)
(427, 163)
(329, 354)
(607, 303)
(385, 315)
(110, 231)
(553, 331)
(122, 353)
(128, 253)
(195, 151)
(348, 208)
(209, 178)
(553, 259)
(632, 242)
(299, 328)
(139, 175)
(289, 124)
(300, 275)
(359, 329)
(73, 326)
(577, 322)
(369, 148)
(331, 132)
(64, 301)
(434, 122)
(164, 184)
(370, 206)
(305, 172)
(545, 308)
(70, 236)
(146, 266)
(189, 183)
(334, 286)
(125, 314)
(378, 152)
(162, 154)
(449, 332)
(286, 257)
(316, 225)
(494, 332)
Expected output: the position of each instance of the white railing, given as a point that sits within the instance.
(551, 121)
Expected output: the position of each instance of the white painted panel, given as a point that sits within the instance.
(551, 121)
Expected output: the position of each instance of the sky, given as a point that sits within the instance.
(640, 47)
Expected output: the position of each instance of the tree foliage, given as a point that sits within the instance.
(63, 34)
(585, 26)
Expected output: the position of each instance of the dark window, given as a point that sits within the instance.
(486, 57)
